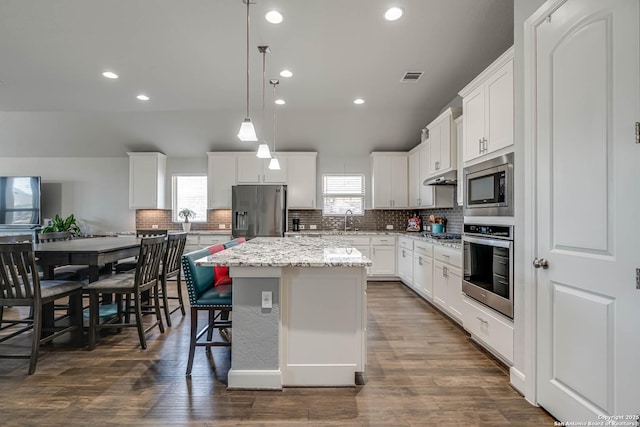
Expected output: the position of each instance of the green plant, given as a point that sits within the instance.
(186, 214)
(68, 224)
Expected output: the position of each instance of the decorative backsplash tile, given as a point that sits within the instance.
(145, 218)
(375, 220)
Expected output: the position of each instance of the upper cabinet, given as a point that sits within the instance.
(425, 196)
(147, 173)
(389, 180)
(458, 124)
(442, 143)
(220, 178)
(487, 103)
(301, 180)
(253, 170)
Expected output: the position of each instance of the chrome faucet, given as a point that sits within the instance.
(346, 214)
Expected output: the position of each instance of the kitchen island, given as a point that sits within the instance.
(299, 312)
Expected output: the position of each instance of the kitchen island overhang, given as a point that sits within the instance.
(314, 334)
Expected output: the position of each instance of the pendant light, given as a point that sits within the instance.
(247, 131)
(263, 148)
(274, 164)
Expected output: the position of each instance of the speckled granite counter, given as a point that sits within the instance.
(450, 243)
(299, 251)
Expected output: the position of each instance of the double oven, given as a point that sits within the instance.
(487, 240)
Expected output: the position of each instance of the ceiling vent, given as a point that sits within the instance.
(412, 76)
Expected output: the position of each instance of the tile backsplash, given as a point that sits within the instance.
(372, 220)
(376, 220)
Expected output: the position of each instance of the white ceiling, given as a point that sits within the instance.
(189, 57)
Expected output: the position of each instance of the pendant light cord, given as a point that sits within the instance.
(248, 3)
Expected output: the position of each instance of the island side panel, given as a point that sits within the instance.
(323, 325)
(255, 361)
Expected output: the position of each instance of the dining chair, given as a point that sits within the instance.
(205, 296)
(171, 268)
(130, 264)
(20, 286)
(145, 279)
(64, 272)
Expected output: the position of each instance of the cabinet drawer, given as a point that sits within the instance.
(489, 328)
(448, 255)
(208, 240)
(383, 240)
(350, 240)
(423, 248)
(405, 243)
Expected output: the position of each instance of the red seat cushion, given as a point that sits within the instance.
(221, 273)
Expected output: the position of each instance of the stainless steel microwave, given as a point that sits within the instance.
(488, 187)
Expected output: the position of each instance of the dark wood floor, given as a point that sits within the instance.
(422, 371)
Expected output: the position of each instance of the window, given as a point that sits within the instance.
(342, 192)
(190, 192)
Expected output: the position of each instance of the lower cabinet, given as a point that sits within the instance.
(447, 281)
(493, 330)
(200, 241)
(405, 260)
(423, 269)
(383, 256)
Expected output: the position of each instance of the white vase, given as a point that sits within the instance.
(186, 226)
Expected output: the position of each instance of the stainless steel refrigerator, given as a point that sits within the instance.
(258, 210)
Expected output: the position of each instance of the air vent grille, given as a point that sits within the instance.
(411, 76)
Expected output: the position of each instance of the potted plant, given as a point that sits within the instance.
(68, 224)
(186, 214)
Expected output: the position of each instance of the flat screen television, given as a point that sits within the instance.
(19, 201)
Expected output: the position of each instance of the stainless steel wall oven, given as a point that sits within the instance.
(488, 265)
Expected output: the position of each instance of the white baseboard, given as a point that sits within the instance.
(517, 379)
(255, 380)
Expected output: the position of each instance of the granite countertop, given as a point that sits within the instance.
(299, 251)
(450, 243)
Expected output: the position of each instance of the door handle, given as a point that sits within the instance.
(537, 263)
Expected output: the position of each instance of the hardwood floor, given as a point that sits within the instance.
(422, 371)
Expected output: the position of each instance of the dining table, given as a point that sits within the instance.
(94, 252)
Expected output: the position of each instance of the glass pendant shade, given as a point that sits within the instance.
(274, 164)
(263, 151)
(247, 131)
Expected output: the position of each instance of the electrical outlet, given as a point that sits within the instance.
(312, 227)
(267, 299)
(389, 226)
(301, 226)
(154, 226)
(222, 226)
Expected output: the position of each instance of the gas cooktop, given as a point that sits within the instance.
(443, 236)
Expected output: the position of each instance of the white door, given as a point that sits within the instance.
(250, 169)
(414, 178)
(275, 176)
(381, 177)
(587, 93)
(473, 107)
(399, 181)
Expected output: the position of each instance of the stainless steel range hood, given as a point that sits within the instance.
(447, 178)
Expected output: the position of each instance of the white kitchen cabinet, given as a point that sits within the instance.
(253, 170)
(447, 281)
(220, 178)
(488, 103)
(389, 180)
(147, 176)
(301, 180)
(425, 196)
(489, 327)
(442, 143)
(196, 242)
(423, 269)
(405, 260)
(459, 124)
(383, 256)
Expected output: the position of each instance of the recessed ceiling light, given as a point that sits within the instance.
(142, 97)
(274, 17)
(110, 75)
(286, 73)
(393, 14)
(358, 101)
(280, 101)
